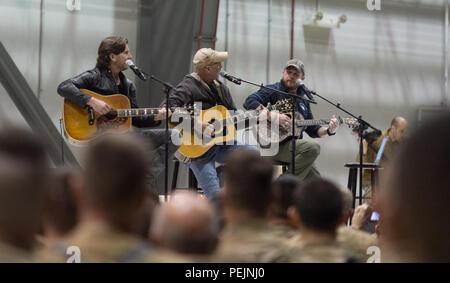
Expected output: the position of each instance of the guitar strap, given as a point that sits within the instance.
(212, 88)
(216, 93)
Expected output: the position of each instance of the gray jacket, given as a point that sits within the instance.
(191, 90)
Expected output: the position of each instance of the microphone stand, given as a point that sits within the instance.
(167, 88)
(294, 105)
(363, 125)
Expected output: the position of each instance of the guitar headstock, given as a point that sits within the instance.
(350, 122)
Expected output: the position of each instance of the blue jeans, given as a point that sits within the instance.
(204, 167)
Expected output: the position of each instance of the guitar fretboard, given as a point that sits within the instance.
(306, 123)
(240, 117)
(137, 112)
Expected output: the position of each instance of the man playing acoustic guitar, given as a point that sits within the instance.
(203, 86)
(107, 79)
(306, 152)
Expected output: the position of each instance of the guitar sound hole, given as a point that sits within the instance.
(213, 122)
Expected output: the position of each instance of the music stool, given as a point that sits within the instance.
(353, 178)
(192, 181)
(281, 164)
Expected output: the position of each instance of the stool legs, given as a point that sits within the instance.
(351, 184)
(176, 166)
(192, 181)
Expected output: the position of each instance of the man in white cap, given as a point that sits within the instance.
(306, 152)
(203, 86)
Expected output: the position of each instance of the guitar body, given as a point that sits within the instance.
(194, 146)
(76, 119)
(266, 135)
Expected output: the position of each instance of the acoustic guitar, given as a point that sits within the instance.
(195, 144)
(83, 124)
(266, 135)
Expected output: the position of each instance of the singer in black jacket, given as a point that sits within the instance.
(306, 152)
(106, 79)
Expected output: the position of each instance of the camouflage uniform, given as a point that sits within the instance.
(10, 253)
(283, 232)
(250, 242)
(318, 252)
(101, 243)
(356, 242)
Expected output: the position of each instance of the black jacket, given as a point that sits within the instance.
(190, 90)
(102, 82)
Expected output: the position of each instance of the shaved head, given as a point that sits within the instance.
(185, 224)
(399, 127)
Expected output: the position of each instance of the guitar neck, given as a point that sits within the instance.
(137, 112)
(346, 121)
(306, 123)
(240, 117)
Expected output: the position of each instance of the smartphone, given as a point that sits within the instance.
(374, 217)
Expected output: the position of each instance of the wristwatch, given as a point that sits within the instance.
(330, 134)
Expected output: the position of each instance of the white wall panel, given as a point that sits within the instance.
(378, 64)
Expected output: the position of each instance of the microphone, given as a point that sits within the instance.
(301, 84)
(230, 77)
(136, 70)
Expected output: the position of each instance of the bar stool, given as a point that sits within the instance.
(192, 181)
(353, 178)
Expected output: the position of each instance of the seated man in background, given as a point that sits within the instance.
(60, 210)
(317, 211)
(394, 136)
(414, 197)
(282, 198)
(24, 178)
(112, 205)
(186, 225)
(246, 198)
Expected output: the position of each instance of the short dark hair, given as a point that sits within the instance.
(112, 44)
(24, 170)
(248, 178)
(283, 190)
(419, 191)
(21, 144)
(60, 209)
(319, 204)
(115, 171)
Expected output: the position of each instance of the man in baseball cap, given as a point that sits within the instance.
(208, 56)
(297, 64)
(306, 151)
(203, 86)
